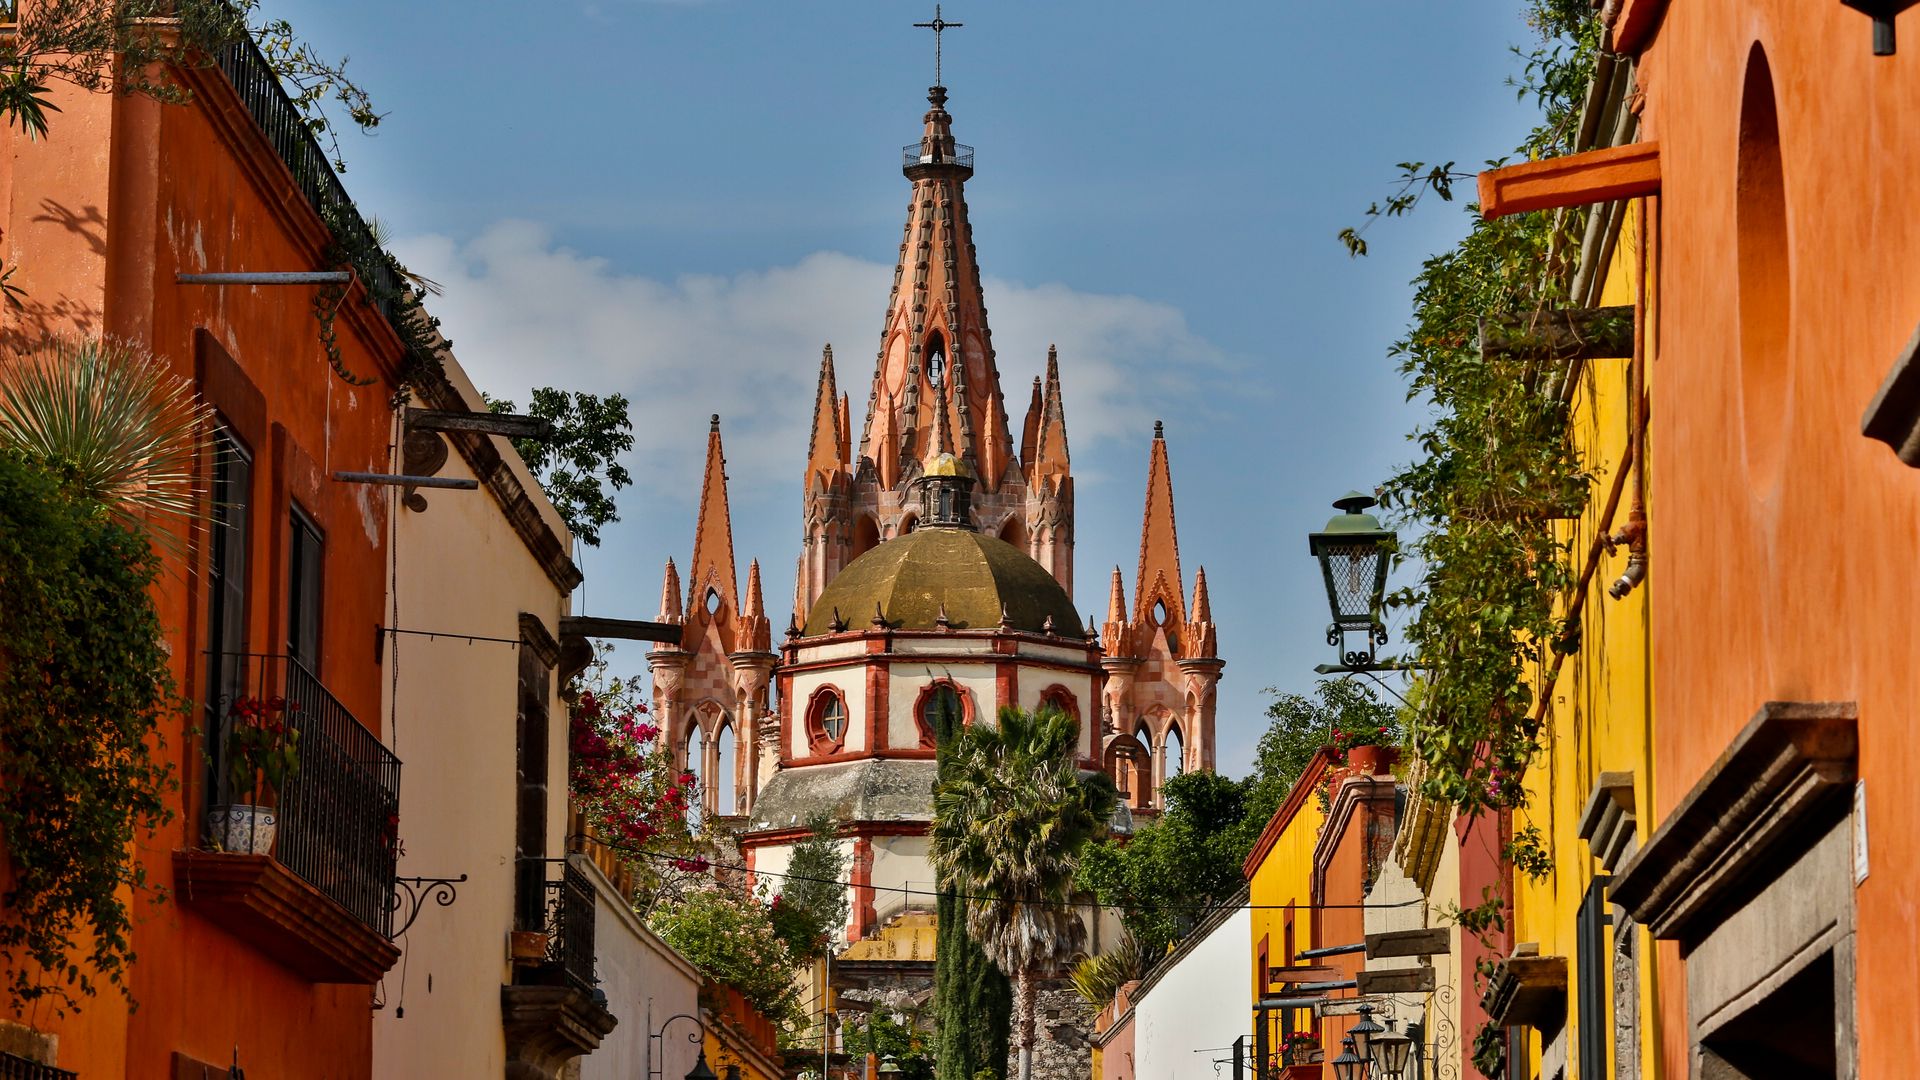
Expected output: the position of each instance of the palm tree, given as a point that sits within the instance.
(1011, 814)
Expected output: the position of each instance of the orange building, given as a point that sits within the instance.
(270, 961)
(1778, 873)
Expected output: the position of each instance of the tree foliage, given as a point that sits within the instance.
(972, 999)
(812, 901)
(84, 690)
(579, 467)
(729, 936)
(1012, 814)
(1298, 726)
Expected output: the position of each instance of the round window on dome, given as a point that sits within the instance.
(941, 707)
(827, 721)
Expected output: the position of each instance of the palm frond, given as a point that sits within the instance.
(115, 425)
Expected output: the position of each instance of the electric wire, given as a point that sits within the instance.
(909, 890)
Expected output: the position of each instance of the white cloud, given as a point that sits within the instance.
(523, 312)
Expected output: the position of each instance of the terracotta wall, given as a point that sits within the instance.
(99, 217)
(1784, 548)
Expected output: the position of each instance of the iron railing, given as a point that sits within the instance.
(15, 1067)
(254, 79)
(916, 154)
(339, 815)
(570, 906)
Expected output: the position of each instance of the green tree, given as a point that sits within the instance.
(1175, 869)
(1298, 726)
(729, 936)
(972, 1000)
(580, 464)
(812, 901)
(1011, 815)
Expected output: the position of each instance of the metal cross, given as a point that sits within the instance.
(938, 26)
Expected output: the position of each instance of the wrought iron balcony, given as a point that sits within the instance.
(253, 78)
(339, 814)
(14, 1067)
(914, 154)
(570, 903)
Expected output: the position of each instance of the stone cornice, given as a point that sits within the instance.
(1777, 786)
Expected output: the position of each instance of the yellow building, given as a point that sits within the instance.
(1284, 921)
(1577, 992)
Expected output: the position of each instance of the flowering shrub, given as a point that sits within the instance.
(263, 749)
(730, 937)
(1345, 740)
(620, 774)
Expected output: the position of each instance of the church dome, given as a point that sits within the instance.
(973, 576)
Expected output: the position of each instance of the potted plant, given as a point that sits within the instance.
(263, 755)
(1300, 1054)
(1367, 750)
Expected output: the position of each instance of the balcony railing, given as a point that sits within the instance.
(339, 814)
(916, 154)
(253, 78)
(569, 923)
(14, 1067)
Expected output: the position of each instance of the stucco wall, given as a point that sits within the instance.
(646, 983)
(1198, 1005)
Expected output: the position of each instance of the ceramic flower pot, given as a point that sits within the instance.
(244, 830)
(1366, 760)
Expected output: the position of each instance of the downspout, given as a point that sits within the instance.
(1634, 534)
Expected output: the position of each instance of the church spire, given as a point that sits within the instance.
(670, 610)
(1050, 460)
(824, 458)
(712, 565)
(756, 633)
(936, 330)
(1159, 582)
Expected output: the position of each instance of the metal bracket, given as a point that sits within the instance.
(270, 277)
(407, 481)
(411, 894)
(508, 425)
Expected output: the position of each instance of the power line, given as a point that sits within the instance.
(907, 889)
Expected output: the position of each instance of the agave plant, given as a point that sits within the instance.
(1098, 978)
(114, 424)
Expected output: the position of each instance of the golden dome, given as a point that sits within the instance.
(947, 465)
(973, 577)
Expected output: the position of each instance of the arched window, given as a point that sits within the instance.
(866, 536)
(941, 705)
(724, 758)
(1173, 754)
(695, 761)
(907, 523)
(1014, 533)
(827, 721)
(1061, 699)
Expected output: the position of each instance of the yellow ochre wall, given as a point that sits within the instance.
(1280, 872)
(1599, 717)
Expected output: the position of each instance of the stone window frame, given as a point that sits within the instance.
(819, 740)
(926, 696)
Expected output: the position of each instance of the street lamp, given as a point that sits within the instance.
(701, 1070)
(1391, 1052)
(1363, 1032)
(1349, 1065)
(1354, 551)
(889, 1067)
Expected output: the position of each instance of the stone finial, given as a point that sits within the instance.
(837, 625)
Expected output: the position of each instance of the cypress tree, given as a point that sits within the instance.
(972, 999)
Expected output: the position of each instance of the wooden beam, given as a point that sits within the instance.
(586, 626)
(1565, 334)
(396, 480)
(510, 425)
(1301, 974)
(1417, 980)
(1596, 176)
(1430, 941)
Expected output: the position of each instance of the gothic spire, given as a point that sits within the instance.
(1030, 430)
(712, 567)
(1202, 639)
(756, 632)
(1159, 582)
(824, 458)
(670, 610)
(1050, 460)
(936, 324)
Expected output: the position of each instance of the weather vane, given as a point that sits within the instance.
(938, 26)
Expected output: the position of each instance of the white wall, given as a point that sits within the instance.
(851, 682)
(1201, 1003)
(907, 680)
(640, 975)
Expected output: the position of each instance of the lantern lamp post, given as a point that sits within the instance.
(1391, 1052)
(1354, 551)
(1363, 1033)
(1349, 1065)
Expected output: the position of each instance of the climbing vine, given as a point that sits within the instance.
(84, 688)
(1495, 468)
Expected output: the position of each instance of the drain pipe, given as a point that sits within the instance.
(1634, 533)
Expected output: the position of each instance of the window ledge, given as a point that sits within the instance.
(266, 905)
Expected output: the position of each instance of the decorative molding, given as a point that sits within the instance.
(1783, 780)
(266, 905)
(534, 634)
(1894, 415)
(1595, 176)
(547, 1026)
(1527, 989)
(1608, 824)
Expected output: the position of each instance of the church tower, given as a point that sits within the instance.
(1162, 656)
(935, 371)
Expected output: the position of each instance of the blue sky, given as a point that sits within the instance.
(683, 201)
